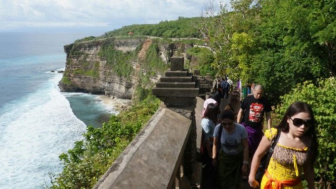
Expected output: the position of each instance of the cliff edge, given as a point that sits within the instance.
(116, 66)
(89, 67)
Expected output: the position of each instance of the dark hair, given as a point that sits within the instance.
(215, 96)
(229, 107)
(211, 112)
(227, 114)
(296, 108)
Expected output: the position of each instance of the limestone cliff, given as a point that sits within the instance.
(87, 70)
(112, 66)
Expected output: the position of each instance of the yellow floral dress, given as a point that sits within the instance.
(285, 164)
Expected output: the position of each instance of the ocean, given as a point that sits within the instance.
(37, 121)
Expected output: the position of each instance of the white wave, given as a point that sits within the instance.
(33, 135)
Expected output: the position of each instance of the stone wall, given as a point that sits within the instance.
(154, 157)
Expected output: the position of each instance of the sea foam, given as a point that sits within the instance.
(33, 133)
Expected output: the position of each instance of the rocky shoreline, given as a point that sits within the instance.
(116, 103)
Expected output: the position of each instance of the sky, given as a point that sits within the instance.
(21, 15)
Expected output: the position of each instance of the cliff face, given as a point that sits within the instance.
(87, 71)
(112, 66)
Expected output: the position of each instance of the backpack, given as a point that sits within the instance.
(267, 157)
(219, 138)
(225, 85)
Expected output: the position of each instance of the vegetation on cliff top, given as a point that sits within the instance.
(181, 28)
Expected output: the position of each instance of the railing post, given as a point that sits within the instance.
(177, 179)
(179, 176)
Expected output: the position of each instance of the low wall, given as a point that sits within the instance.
(154, 158)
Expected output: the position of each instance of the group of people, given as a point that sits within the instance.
(233, 145)
(222, 86)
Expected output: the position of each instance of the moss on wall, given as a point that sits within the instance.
(120, 62)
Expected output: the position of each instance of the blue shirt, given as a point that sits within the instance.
(208, 127)
(225, 85)
(231, 142)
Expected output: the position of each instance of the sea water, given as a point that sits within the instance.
(90, 108)
(37, 121)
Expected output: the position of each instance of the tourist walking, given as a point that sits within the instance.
(214, 99)
(230, 151)
(225, 88)
(208, 123)
(216, 84)
(230, 83)
(252, 111)
(295, 151)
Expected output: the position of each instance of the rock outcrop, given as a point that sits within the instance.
(87, 71)
(92, 67)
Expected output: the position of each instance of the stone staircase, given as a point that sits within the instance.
(204, 83)
(178, 87)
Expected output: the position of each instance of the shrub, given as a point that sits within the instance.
(65, 80)
(120, 62)
(91, 157)
(205, 58)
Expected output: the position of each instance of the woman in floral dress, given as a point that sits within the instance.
(294, 153)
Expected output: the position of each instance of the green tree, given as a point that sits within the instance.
(182, 27)
(289, 50)
(241, 49)
(275, 43)
(205, 58)
(231, 35)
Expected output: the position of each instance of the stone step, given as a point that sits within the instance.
(202, 81)
(175, 92)
(202, 95)
(177, 73)
(176, 79)
(175, 85)
(205, 86)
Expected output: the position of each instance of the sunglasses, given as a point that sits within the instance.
(298, 122)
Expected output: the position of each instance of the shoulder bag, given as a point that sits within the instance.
(265, 160)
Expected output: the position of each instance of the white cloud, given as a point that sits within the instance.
(91, 13)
